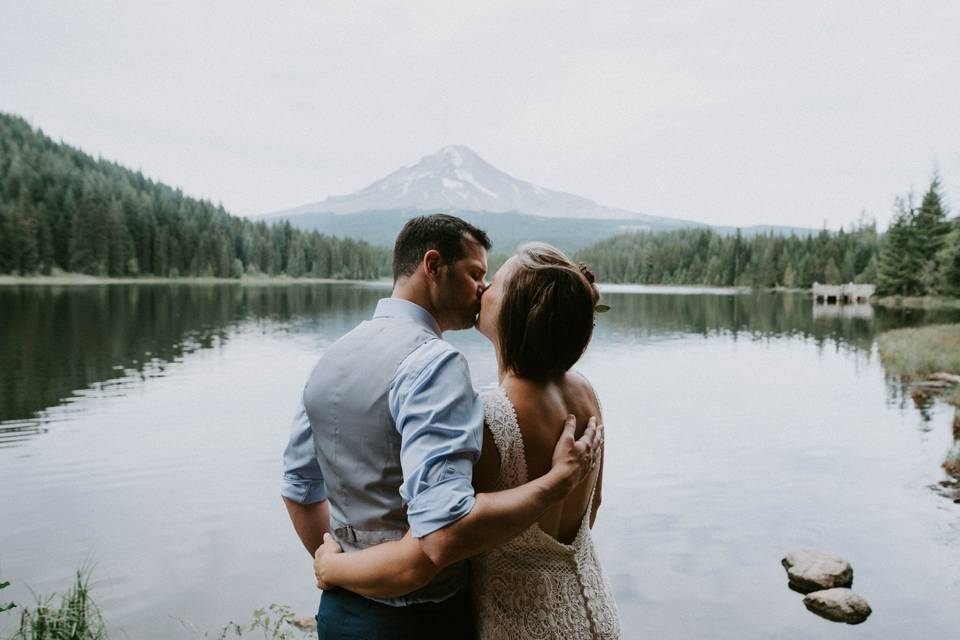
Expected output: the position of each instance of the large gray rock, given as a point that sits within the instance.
(809, 570)
(839, 605)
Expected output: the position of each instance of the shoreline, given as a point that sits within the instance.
(80, 279)
(916, 302)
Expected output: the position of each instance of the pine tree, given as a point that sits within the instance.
(930, 229)
(831, 273)
(898, 264)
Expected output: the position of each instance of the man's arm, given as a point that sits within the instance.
(394, 569)
(310, 521)
(304, 492)
(498, 517)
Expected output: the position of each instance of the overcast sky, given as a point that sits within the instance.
(754, 112)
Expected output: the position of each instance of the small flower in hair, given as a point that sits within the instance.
(597, 308)
(586, 273)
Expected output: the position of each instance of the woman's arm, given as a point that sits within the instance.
(487, 469)
(598, 487)
(595, 507)
(388, 570)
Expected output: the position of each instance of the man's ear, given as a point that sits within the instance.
(432, 263)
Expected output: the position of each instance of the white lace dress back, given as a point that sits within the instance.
(535, 587)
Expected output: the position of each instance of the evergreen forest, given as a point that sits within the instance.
(705, 257)
(62, 210)
(918, 255)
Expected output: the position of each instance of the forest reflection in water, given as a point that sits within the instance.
(61, 340)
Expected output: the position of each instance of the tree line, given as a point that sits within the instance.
(918, 255)
(63, 210)
(705, 257)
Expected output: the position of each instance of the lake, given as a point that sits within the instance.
(142, 426)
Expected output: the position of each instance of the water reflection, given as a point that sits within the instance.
(60, 341)
(757, 315)
(821, 311)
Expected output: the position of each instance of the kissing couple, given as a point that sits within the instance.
(435, 512)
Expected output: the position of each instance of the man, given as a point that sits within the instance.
(388, 434)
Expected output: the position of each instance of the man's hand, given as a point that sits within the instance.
(573, 460)
(321, 561)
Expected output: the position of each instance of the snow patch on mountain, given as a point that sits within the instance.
(457, 178)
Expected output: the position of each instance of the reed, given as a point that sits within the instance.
(74, 617)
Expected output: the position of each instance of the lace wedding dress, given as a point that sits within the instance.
(535, 587)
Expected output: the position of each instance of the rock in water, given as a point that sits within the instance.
(810, 570)
(839, 605)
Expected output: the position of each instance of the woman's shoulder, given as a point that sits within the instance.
(527, 396)
(537, 401)
(578, 382)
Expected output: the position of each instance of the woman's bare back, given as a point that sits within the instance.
(541, 408)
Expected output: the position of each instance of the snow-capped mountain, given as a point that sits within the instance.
(457, 179)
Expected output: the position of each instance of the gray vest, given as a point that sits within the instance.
(358, 445)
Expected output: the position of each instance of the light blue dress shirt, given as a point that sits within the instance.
(440, 420)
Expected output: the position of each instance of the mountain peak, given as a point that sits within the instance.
(455, 178)
(453, 155)
(457, 152)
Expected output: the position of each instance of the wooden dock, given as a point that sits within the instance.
(842, 293)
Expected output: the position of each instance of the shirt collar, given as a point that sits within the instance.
(399, 308)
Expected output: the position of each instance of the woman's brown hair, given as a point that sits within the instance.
(546, 312)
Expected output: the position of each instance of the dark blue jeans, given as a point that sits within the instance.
(344, 615)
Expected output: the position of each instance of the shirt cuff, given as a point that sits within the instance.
(439, 506)
(303, 491)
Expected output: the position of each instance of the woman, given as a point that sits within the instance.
(547, 582)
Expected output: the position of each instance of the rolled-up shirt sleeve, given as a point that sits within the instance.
(440, 420)
(302, 479)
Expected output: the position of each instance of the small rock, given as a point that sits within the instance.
(943, 376)
(305, 623)
(839, 605)
(809, 570)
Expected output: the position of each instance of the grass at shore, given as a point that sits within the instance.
(71, 279)
(914, 354)
(77, 617)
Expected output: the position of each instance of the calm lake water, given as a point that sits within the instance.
(141, 431)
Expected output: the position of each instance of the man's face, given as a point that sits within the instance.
(461, 285)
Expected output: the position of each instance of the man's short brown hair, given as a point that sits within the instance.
(546, 313)
(439, 231)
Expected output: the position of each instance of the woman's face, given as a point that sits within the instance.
(490, 301)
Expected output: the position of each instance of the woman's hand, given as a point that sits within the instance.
(574, 459)
(322, 560)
